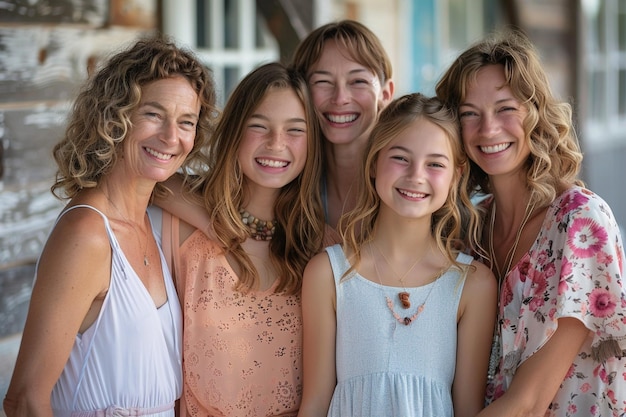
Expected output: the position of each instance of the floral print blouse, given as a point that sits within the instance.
(574, 269)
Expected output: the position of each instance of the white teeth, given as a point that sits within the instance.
(495, 148)
(412, 195)
(346, 118)
(272, 163)
(163, 156)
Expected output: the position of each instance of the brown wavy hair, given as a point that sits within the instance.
(356, 39)
(362, 45)
(455, 221)
(298, 208)
(555, 157)
(100, 118)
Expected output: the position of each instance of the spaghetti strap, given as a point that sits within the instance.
(68, 209)
(107, 224)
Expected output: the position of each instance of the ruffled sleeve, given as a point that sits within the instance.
(591, 284)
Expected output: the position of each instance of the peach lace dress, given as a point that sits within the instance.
(242, 354)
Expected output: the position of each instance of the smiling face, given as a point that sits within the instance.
(273, 149)
(492, 124)
(163, 129)
(414, 172)
(346, 95)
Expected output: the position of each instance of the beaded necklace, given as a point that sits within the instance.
(259, 229)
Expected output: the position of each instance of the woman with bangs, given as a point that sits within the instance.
(349, 76)
(553, 245)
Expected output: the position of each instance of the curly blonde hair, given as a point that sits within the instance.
(298, 208)
(100, 117)
(555, 157)
(456, 221)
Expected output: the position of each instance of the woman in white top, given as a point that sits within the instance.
(103, 332)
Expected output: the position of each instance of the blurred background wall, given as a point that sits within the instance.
(47, 49)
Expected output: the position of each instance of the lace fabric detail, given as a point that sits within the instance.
(242, 352)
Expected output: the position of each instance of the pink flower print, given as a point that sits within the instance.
(536, 303)
(600, 372)
(549, 270)
(524, 269)
(540, 282)
(572, 201)
(507, 294)
(602, 303)
(585, 387)
(586, 238)
(604, 258)
(566, 268)
(572, 409)
(576, 286)
(542, 258)
(551, 313)
(563, 286)
(606, 276)
(498, 392)
(611, 394)
(570, 371)
(597, 369)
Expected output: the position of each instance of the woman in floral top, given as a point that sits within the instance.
(554, 246)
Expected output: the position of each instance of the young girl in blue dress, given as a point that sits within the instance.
(397, 320)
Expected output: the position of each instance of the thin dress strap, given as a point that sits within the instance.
(113, 243)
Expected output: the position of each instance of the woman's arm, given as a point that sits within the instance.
(539, 377)
(73, 272)
(320, 326)
(182, 206)
(475, 332)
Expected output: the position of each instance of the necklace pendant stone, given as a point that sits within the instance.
(407, 321)
(404, 299)
(145, 261)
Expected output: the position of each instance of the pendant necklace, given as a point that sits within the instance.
(146, 262)
(403, 295)
(508, 260)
